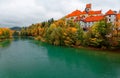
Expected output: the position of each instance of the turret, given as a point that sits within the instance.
(88, 8)
(111, 16)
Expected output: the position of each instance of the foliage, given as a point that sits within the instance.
(70, 33)
(5, 33)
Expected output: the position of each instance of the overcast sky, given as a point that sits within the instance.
(26, 12)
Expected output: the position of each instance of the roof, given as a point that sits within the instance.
(110, 12)
(95, 12)
(93, 18)
(118, 16)
(92, 12)
(84, 12)
(74, 13)
(88, 5)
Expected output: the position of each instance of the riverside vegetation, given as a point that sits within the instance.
(68, 33)
(5, 33)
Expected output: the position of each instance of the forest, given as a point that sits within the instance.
(60, 32)
(5, 33)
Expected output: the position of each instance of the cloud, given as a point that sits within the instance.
(26, 12)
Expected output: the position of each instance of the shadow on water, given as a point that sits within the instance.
(5, 43)
(17, 38)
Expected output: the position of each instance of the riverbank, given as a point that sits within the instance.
(3, 39)
(112, 49)
(99, 49)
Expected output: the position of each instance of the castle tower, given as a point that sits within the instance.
(111, 16)
(88, 8)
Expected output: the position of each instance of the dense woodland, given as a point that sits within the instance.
(68, 33)
(5, 33)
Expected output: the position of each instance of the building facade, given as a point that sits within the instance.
(89, 17)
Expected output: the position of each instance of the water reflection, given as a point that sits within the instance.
(17, 38)
(98, 66)
(27, 58)
(94, 64)
(5, 43)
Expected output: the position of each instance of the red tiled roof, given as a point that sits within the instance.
(74, 13)
(93, 18)
(95, 12)
(78, 12)
(118, 16)
(88, 5)
(110, 12)
(92, 12)
(84, 12)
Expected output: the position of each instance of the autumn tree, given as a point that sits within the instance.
(100, 34)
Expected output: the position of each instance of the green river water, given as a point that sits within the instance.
(27, 58)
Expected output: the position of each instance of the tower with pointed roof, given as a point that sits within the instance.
(89, 17)
(111, 16)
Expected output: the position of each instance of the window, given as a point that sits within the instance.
(109, 19)
(109, 15)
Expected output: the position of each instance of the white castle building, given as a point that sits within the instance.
(88, 17)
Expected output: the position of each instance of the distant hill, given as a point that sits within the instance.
(16, 28)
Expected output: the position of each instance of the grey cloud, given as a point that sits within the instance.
(26, 12)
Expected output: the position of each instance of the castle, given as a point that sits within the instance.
(88, 17)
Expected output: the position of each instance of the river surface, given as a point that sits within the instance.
(27, 58)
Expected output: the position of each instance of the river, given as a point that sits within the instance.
(27, 58)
